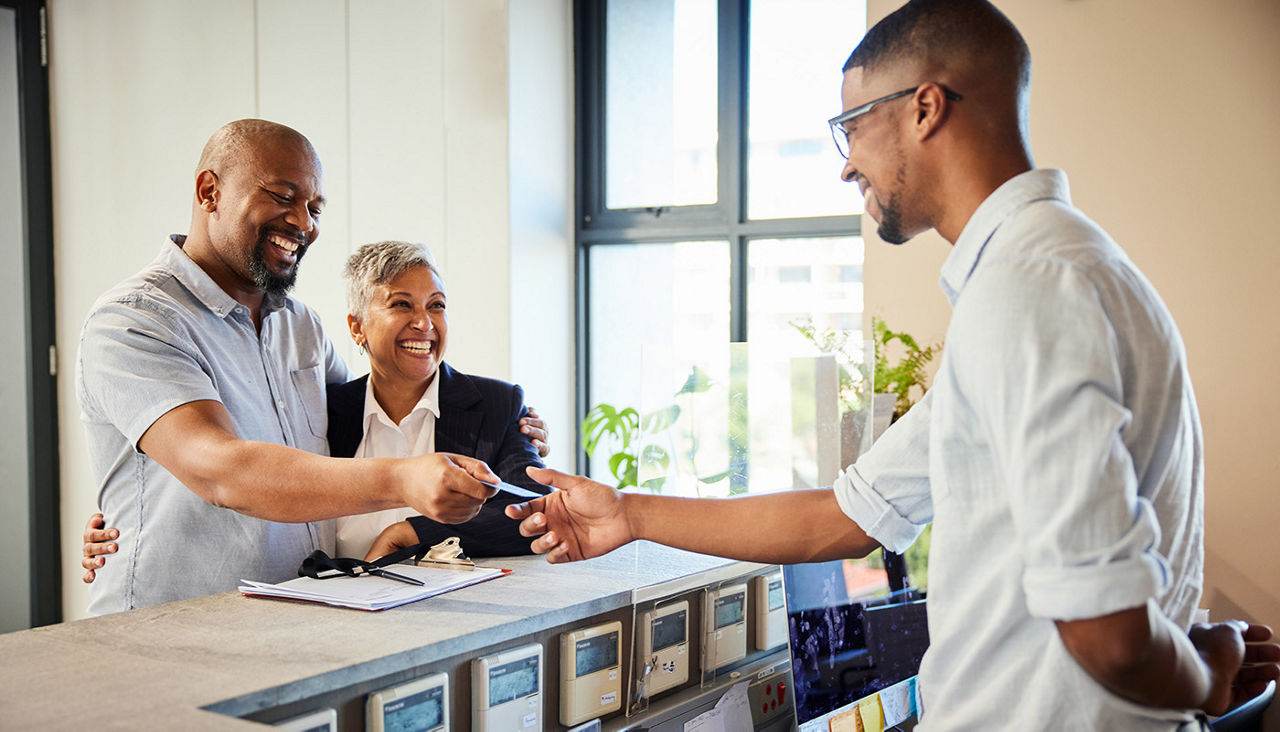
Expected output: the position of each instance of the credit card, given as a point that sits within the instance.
(514, 490)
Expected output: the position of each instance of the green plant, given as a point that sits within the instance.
(909, 372)
(852, 372)
(622, 430)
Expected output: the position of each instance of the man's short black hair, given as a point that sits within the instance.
(936, 30)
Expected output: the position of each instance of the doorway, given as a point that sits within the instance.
(30, 573)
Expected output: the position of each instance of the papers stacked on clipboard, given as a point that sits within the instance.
(370, 592)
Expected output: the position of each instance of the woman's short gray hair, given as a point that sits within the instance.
(378, 263)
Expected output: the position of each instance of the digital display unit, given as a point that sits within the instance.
(670, 629)
(846, 647)
(422, 711)
(769, 606)
(421, 705)
(513, 680)
(729, 610)
(724, 626)
(595, 654)
(663, 648)
(506, 690)
(324, 720)
(590, 672)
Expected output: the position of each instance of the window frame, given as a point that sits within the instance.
(595, 225)
(44, 485)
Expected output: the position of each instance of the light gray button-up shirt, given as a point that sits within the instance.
(1059, 456)
(166, 337)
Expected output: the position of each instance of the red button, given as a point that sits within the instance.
(768, 689)
(764, 708)
(782, 691)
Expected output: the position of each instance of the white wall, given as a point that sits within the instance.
(542, 195)
(406, 102)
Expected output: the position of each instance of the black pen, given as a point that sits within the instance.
(397, 577)
(380, 572)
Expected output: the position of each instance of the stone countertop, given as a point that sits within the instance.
(156, 667)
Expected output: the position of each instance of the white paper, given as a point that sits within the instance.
(712, 721)
(896, 702)
(372, 592)
(731, 714)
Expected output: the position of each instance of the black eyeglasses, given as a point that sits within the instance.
(840, 133)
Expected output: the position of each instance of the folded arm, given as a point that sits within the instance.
(1141, 655)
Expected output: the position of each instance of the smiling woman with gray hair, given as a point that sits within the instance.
(414, 403)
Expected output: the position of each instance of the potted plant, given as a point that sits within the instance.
(907, 378)
(634, 438)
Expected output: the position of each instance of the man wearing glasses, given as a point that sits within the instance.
(1058, 454)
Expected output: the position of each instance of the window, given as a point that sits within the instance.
(795, 274)
(710, 207)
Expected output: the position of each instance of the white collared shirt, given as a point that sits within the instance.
(383, 438)
(1059, 456)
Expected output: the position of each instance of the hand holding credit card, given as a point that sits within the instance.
(514, 490)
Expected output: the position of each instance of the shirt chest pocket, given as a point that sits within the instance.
(308, 386)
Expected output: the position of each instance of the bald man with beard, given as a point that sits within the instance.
(201, 385)
(1058, 455)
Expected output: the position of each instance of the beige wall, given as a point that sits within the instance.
(1165, 115)
(407, 103)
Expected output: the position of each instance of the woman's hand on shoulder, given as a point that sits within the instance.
(536, 430)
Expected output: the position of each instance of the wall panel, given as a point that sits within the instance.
(477, 232)
(135, 90)
(302, 82)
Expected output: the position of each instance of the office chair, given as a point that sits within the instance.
(1248, 716)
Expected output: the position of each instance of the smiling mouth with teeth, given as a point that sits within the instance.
(417, 346)
(288, 245)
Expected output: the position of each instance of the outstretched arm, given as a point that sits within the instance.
(585, 519)
(198, 444)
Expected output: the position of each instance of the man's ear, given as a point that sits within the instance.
(931, 107)
(207, 192)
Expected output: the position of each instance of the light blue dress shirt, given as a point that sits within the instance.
(163, 338)
(1059, 456)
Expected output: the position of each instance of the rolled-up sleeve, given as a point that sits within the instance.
(1053, 402)
(886, 492)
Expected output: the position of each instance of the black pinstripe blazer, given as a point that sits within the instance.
(479, 417)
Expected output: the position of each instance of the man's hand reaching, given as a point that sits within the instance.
(446, 487)
(579, 520)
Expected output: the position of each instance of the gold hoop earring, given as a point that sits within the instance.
(360, 348)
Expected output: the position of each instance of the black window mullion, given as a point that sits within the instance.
(732, 151)
(582, 327)
(589, 60)
(45, 562)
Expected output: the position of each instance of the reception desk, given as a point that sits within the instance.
(228, 662)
